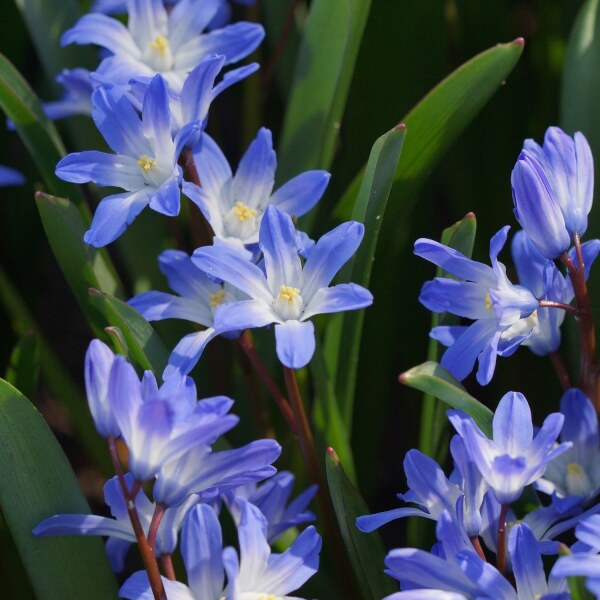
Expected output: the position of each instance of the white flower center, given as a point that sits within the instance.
(577, 481)
(158, 55)
(288, 304)
(240, 221)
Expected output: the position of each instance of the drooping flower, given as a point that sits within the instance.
(235, 204)
(144, 163)
(157, 41)
(568, 165)
(257, 574)
(514, 458)
(503, 312)
(286, 293)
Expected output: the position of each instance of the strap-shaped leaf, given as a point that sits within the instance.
(343, 343)
(144, 346)
(24, 364)
(39, 135)
(365, 550)
(433, 379)
(437, 120)
(83, 266)
(322, 79)
(36, 481)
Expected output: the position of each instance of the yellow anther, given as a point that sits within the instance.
(145, 163)
(488, 302)
(269, 597)
(574, 469)
(243, 211)
(216, 299)
(160, 44)
(288, 293)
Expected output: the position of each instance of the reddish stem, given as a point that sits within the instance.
(561, 370)
(561, 305)
(501, 541)
(477, 545)
(159, 511)
(146, 551)
(167, 564)
(247, 345)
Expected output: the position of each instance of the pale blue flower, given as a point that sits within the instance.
(145, 163)
(286, 293)
(514, 458)
(156, 41)
(235, 204)
(503, 312)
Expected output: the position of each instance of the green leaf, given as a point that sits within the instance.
(343, 344)
(56, 377)
(38, 134)
(36, 482)
(365, 550)
(24, 365)
(143, 344)
(437, 120)
(432, 441)
(324, 68)
(83, 266)
(433, 379)
(46, 21)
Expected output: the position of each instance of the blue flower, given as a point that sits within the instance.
(257, 574)
(286, 294)
(77, 97)
(568, 165)
(513, 458)
(10, 177)
(503, 312)
(235, 204)
(145, 163)
(198, 298)
(272, 498)
(156, 41)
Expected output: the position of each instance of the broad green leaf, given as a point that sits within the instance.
(24, 365)
(437, 120)
(433, 379)
(143, 345)
(365, 550)
(36, 482)
(39, 135)
(343, 344)
(461, 237)
(56, 377)
(326, 416)
(46, 21)
(83, 266)
(324, 68)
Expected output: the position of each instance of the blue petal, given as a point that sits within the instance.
(156, 306)
(187, 352)
(526, 562)
(368, 523)
(297, 196)
(84, 525)
(102, 31)
(454, 262)
(119, 123)
(146, 19)
(345, 296)
(10, 176)
(254, 549)
(233, 76)
(166, 199)
(447, 334)
(201, 546)
(156, 118)
(184, 277)
(278, 243)
(213, 168)
(246, 314)
(462, 298)
(255, 175)
(113, 215)
(295, 343)
(328, 256)
(581, 424)
(137, 587)
(101, 168)
(513, 428)
(197, 91)
(228, 265)
(188, 18)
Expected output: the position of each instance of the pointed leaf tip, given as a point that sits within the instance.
(519, 42)
(400, 127)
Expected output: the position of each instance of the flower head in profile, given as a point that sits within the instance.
(235, 204)
(286, 293)
(514, 458)
(503, 313)
(155, 40)
(144, 163)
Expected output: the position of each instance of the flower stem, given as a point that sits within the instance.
(587, 334)
(146, 551)
(562, 305)
(561, 370)
(159, 511)
(501, 541)
(477, 545)
(167, 564)
(247, 345)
